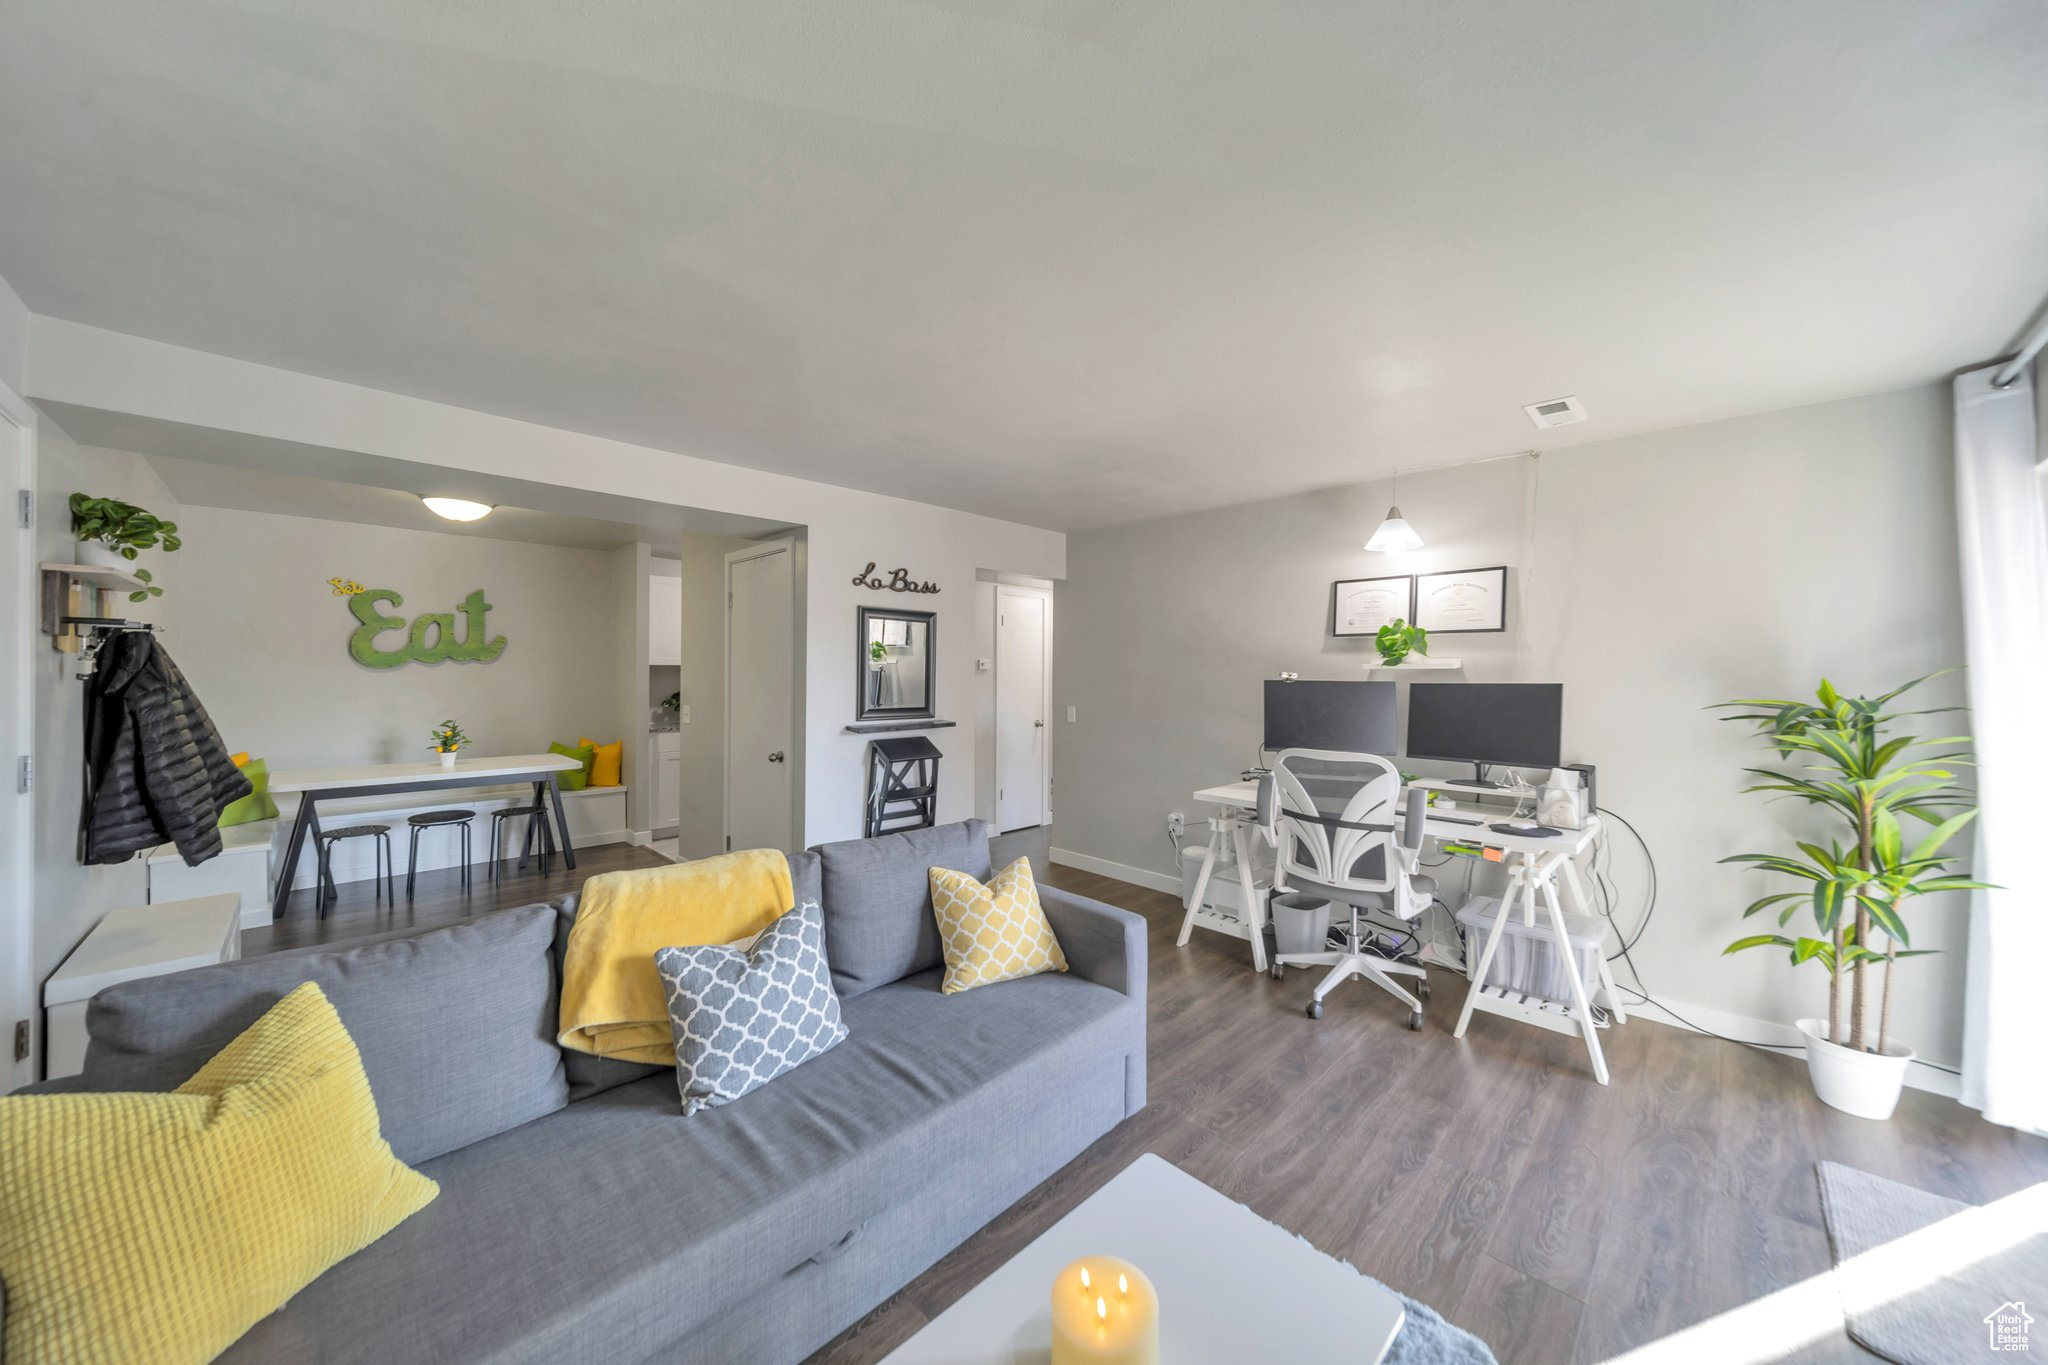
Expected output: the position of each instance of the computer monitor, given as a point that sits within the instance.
(1518, 724)
(1348, 717)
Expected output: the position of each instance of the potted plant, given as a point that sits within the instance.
(1397, 640)
(1860, 885)
(111, 533)
(448, 738)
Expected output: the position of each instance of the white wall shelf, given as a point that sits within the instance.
(1414, 663)
(98, 575)
(59, 581)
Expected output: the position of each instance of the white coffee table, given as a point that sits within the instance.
(1232, 1286)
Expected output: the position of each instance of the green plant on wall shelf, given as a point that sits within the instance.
(1397, 640)
(1857, 890)
(877, 651)
(122, 527)
(148, 589)
(447, 738)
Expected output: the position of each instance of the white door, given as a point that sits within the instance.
(1023, 698)
(759, 688)
(17, 830)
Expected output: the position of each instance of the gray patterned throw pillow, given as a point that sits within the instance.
(742, 1018)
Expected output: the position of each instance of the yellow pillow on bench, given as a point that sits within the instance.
(605, 762)
(992, 933)
(162, 1227)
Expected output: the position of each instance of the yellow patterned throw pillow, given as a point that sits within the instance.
(161, 1227)
(995, 932)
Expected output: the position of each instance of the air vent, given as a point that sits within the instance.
(1557, 412)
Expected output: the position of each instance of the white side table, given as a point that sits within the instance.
(133, 942)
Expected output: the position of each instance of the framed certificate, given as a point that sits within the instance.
(1463, 602)
(1360, 606)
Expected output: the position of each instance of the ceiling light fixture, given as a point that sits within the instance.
(457, 509)
(1394, 533)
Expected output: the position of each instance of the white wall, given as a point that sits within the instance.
(14, 329)
(69, 899)
(94, 368)
(264, 640)
(1652, 575)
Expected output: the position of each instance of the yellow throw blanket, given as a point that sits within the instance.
(612, 1001)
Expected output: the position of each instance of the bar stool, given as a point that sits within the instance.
(380, 878)
(428, 819)
(538, 814)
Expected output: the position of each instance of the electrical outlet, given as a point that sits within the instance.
(1070, 715)
(21, 1040)
(1176, 823)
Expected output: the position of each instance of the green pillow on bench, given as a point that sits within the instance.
(257, 805)
(574, 780)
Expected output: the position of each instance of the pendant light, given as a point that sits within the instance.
(1394, 533)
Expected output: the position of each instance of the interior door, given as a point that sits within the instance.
(17, 641)
(760, 683)
(1022, 702)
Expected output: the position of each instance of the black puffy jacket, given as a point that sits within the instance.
(155, 768)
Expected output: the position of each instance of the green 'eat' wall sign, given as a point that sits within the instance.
(430, 638)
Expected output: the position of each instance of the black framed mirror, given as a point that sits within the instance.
(894, 667)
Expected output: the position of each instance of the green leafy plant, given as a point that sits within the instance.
(672, 702)
(1397, 639)
(877, 651)
(148, 589)
(448, 737)
(121, 526)
(1843, 760)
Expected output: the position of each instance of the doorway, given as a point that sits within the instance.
(1023, 668)
(18, 589)
(761, 750)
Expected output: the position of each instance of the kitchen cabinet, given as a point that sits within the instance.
(664, 620)
(668, 780)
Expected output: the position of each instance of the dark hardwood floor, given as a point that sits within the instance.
(1491, 1178)
(438, 898)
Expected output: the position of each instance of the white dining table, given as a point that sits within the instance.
(314, 785)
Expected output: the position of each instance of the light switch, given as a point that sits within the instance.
(686, 714)
(984, 665)
(1070, 715)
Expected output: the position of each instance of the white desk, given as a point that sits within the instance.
(130, 943)
(1232, 1286)
(1535, 867)
(314, 785)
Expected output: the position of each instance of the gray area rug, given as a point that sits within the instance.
(1942, 1321)
(1426, 1339)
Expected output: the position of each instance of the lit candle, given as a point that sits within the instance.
(1104, 1312)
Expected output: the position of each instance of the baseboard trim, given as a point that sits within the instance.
(1136, 876)
(1704, 1018)
(1921, 1075)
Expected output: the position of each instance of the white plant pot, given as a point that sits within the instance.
(103, 556)
(1861, 1083)
(447, 760)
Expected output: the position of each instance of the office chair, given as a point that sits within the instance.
(1357, 857)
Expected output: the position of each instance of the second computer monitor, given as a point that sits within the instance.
(1518, 724)
(1348, 717)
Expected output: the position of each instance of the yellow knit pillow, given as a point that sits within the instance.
(995, 932)
(161, 1227)
(605, 760)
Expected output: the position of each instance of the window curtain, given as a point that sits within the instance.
(2004, 544)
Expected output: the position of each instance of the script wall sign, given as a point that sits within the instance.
(899, 580)
(428, 639)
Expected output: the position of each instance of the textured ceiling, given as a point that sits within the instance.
(1069, 263)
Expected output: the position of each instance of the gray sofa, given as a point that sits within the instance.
(582, 1217)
